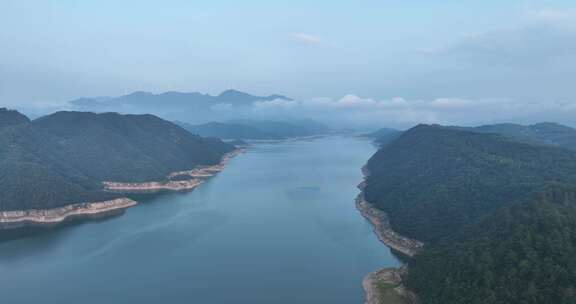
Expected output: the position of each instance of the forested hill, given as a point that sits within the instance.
(541, 133)
(497, 215)
(433, 180)
(118, 147)
(63, 158)
(544, 133)
(11, 118)
(525, 253)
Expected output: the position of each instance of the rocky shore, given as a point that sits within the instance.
(386, 280)
(176, 181)
(151, 187)
(385, 286)
(381, 224)
(43, 217)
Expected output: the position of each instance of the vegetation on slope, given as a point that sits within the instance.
(384, 136)
(11, 118)
(525, 253)
(546, 133)
(498, 216)
(63, 158)
(433, 180)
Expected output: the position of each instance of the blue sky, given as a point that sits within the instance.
(513, 52)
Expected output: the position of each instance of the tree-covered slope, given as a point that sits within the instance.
(118, 147)
(11, 118)
(433, 180)
(34, 177)
(63, 158)
(545, 133)
(498, 215)
(525, 253)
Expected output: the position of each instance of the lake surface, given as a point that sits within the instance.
(278, 225)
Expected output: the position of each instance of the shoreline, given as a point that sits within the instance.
(194, 178)
(387, 282)
(49, 217)
(389, 277)
(381, 226)
(10, 220)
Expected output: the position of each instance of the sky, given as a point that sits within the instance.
(391, 62)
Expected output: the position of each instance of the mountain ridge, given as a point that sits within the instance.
(496, 214)
(67, 155)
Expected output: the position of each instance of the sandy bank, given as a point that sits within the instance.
(186, 180)
(20, 218)
(384, 286)
(381, 224)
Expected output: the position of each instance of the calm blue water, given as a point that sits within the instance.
(278, 225)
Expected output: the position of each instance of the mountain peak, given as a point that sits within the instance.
(232, 92)
(139, 94)
(12, 117)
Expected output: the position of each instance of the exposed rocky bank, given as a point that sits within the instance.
(42, 217)
(391, 277)
(175, 181)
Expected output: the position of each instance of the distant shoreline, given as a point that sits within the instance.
(49, 217)
(409, 247)
(194, 178)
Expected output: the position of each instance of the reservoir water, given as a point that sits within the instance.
(278, 225)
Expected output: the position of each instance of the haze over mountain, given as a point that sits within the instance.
(437, 62)
(470, 105)
(544, 133)
(190, 107)
(258, 129)
(228, 130)
(383, 136)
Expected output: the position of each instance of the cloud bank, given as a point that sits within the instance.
(355, 111)
(306, 38)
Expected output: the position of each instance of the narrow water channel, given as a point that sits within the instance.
(278, 225)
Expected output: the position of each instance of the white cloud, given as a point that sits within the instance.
(400, 112)
(276, 103)
(551, 14)
(306, 38)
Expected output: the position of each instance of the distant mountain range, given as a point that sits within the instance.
(541, 133)
(175, 105)
(494, 205)
(383, 136)
(63, 158)
(545, 133)
(258, 129)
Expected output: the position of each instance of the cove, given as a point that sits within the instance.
(277, 225)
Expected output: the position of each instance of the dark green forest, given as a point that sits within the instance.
(63, 158)
(525, 253)
(497, 214)
(11, 118)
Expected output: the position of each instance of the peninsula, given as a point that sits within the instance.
(79, 162)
